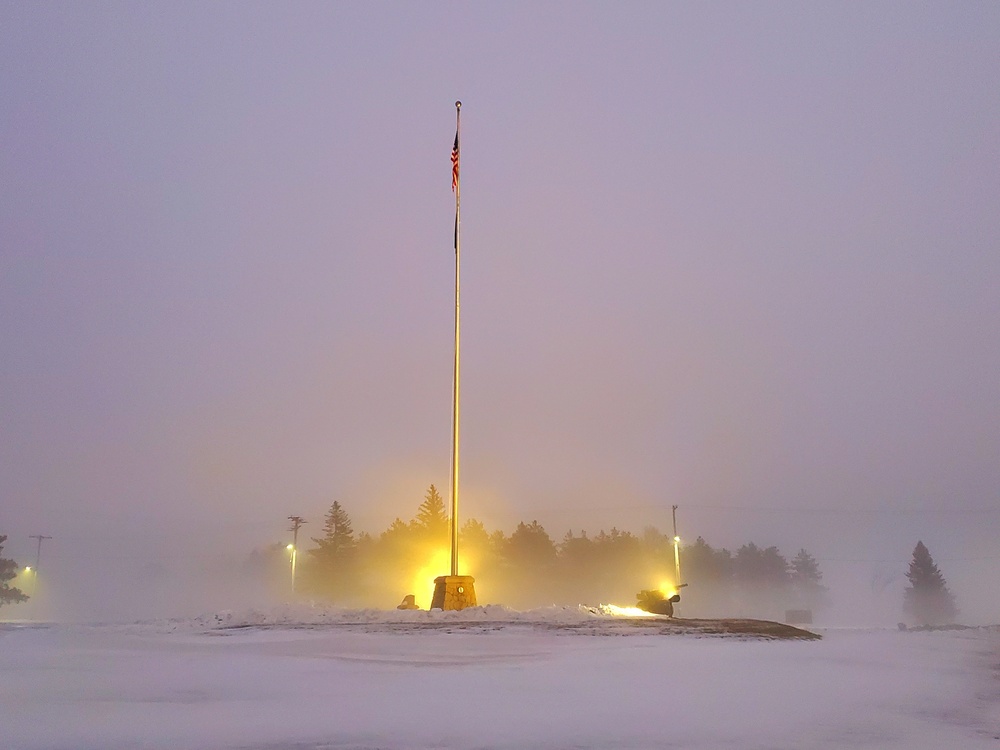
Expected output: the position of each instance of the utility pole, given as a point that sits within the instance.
(677, 551)
(297, 522)
(677, 559)
(34, 578)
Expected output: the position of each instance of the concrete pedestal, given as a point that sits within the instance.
(454, 592)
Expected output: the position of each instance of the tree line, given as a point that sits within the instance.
(528, 568)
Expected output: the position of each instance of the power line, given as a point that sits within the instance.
(907, 560)
(694, 506)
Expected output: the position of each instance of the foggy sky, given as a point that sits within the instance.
(742, 258)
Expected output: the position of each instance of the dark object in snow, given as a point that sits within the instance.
(655, 602)
(409, 602)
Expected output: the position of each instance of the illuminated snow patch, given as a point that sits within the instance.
(614, 610)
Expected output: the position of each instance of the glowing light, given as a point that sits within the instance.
(27, 569)
(290, 547)
(616, 611)
(667, 588)
(438, 563)
(677, 539)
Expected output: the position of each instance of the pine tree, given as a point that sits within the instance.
(475, 539)
(530, 546)
(764, 567)
(705, 566)
(927, 600)
(330, 568)
(710, 573)
(398, 535)
(8, 572)
(576, 551)
(338, 536)
(431, 520)
(761, 580)
(806, 578)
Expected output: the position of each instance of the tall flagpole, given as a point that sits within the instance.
(455, 591)
(455, 388)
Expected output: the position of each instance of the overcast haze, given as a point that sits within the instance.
(742, 258)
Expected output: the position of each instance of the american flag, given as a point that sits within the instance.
(454, 165)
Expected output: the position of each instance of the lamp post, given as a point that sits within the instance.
(38, 562)
(293, 548)
(677, 552)
(291, 558)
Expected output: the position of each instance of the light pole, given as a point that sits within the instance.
(293, 548)
(34, 578)
(291, 557)
(677, 552)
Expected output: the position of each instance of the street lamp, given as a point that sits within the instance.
(293, 553)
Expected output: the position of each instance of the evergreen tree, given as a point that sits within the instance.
(709, 572)
(806, 579)
(479, 556)
(432, 520)
(498, 543)
(927, 600)
(620, 560)
(530, 546)
(576, 551)
(338, 536)
(398, 534)
(8, 572)
(761, 580)
(474, 541)
(396, 547)
(474, 534)
(701, 565)
(756, 566)
(329, 567)
(579, 568)
(655, 545)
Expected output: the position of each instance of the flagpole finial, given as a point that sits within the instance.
(458, 105)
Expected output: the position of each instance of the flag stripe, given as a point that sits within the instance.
(454, 164)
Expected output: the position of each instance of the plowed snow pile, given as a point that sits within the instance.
(605, 619)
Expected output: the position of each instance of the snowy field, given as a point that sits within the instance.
(305, 679)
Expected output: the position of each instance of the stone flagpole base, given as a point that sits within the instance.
(454, 592)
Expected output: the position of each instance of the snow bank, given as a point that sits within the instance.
(605, 619)
(316, 615)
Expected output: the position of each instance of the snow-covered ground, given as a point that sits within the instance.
(302, 678)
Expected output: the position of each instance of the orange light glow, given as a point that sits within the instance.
(667, 588)
(616, 611)
(436, 563)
